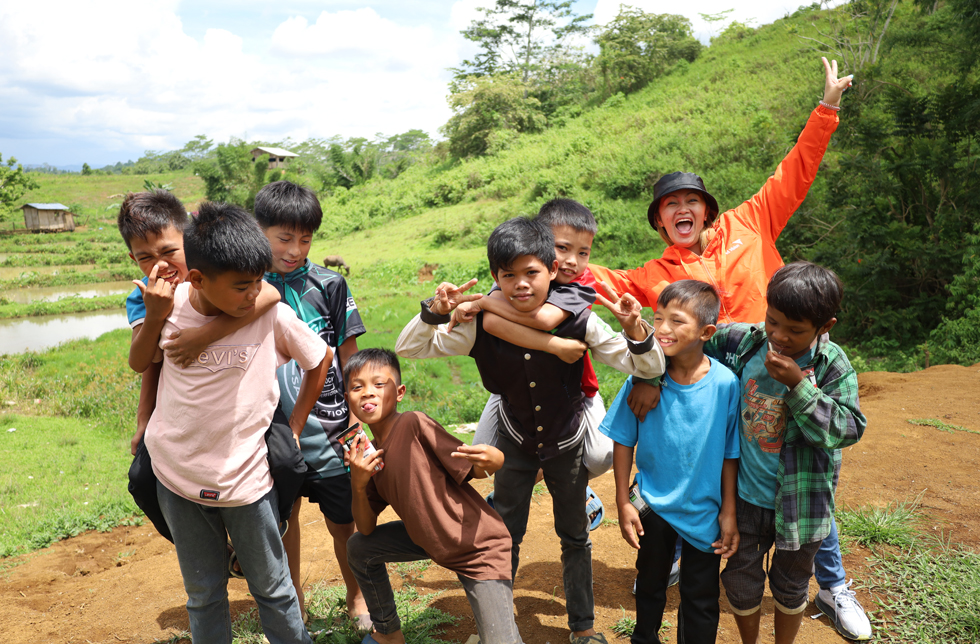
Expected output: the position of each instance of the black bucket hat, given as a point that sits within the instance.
(679, 181)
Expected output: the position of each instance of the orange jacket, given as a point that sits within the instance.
(740, 255)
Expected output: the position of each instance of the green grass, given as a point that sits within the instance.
(73, 277)
(928, 591)
(624, 626)
(63, 306)
(58, 478)
(940, 425)
(893, 525)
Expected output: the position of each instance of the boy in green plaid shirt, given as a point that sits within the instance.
(799, 407)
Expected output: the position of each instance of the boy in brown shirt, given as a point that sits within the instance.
(425, 480)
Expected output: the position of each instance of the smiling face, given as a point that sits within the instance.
(373, 394)
(682, 214)
(677, 330)
(525, 283)
(164, 250)
(230, 292)
(789, 337)
(572, 250)
(290, 248)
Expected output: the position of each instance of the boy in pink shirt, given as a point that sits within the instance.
(206, 434)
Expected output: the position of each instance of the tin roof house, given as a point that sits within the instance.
(47, 217)
(277, 156)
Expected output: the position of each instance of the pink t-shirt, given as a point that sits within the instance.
(206, 436)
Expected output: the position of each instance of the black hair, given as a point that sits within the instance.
(568, 212)
(699, 297)
(224, 237)
(518, 237)
(804, 291)
(286, 204)
(376, 357)
(144, 213)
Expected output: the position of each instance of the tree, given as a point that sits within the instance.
(197, 148)
(856, 31)
(518, 36)
(14, 183)
(86, 169)
(484, 107)
(637, 47)
(232, 175)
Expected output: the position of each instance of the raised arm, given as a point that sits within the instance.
(186, 345)
(361, 470)
(158, 298)
(781, 196)
(426, 336)
(544, 318)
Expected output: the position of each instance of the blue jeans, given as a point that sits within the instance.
(828, 567)
(566, 479)
(200, 538)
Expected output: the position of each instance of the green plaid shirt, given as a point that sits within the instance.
(824, 416)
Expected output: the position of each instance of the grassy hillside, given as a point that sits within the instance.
(729, 116)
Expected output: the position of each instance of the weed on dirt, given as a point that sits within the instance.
(894, 524)
(940, 425)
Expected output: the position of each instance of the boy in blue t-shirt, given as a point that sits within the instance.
(289, 214)
(687, 454)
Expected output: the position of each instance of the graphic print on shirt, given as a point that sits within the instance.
(219, 357)
(763, 419)
(330, 406)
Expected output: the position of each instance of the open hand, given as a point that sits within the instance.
(834, 87)
(643, 398)
(449, 296)
(158, 295)
(626, 309)
(486, 459)
(185, 345)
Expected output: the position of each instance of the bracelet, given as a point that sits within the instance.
(836, 108)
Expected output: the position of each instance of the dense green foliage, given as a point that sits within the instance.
(14, 182)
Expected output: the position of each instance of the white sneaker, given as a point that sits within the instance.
(844, 610)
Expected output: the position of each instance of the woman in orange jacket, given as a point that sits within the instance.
(736, 253)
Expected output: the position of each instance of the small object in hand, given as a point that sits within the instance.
(773, 349)
(351, 436)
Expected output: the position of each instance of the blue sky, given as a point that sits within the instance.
(103, 80)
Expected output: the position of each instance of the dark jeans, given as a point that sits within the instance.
(698, 614)
(566, 478)
(492, 600)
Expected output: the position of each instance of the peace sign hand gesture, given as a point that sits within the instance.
(834, 87)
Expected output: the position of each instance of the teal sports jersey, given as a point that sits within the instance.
(322, 299)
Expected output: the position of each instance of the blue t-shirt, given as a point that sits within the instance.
(763, 426)
(135, 308)
(680, 449)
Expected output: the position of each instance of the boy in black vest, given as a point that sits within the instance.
(541, 397)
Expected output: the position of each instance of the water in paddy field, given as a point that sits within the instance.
(55, 293)
(18, 335)
(13, 272)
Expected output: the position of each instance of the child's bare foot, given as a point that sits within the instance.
(358, 611)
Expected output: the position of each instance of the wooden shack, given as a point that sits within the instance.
(277, 156)
(48, 217)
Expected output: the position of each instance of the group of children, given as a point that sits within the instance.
(253, 385)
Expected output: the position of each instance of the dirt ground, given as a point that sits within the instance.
(125, 586)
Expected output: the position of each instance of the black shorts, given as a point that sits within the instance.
(332, 494)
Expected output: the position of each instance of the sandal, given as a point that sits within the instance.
(594, 508)
(233, 562)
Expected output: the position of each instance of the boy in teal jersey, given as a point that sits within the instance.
(289, 214)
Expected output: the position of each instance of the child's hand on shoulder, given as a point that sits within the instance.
(643, 399)
(362, 465)
(486, 459)
(727, 545)
(464, 312)
(630, 525)
(449, 296)
(185, 345)
(158, 295)
(783, 369)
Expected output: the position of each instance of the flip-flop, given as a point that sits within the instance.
(369, 640)
(489, 500)
(593, 507)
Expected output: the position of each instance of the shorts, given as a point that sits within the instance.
(745, 574)
(333, 495)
